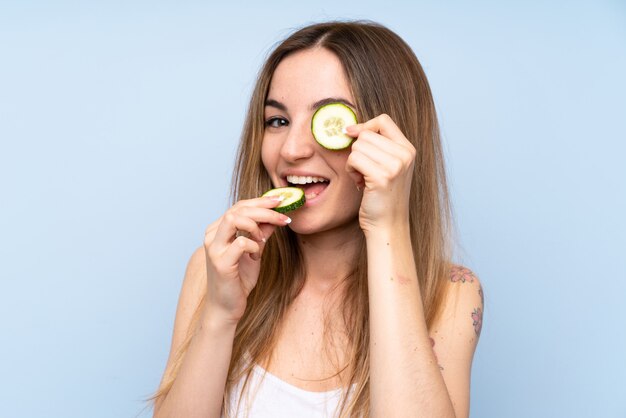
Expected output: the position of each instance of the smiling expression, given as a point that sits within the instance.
(301, 84)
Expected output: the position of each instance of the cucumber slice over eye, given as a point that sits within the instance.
(328, 122)
(293, 198)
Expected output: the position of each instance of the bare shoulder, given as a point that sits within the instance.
(469, 289)
(464, 303)
(192, 290)
(458, 327)
(455, 334)
(194, 282)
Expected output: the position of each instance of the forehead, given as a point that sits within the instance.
(308, 76)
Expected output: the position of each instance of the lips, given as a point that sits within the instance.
(312, 183)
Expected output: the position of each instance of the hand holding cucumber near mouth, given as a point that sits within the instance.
(233, 247)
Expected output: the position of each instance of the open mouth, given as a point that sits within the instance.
(312, 186)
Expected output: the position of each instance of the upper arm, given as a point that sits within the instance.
(192, 290)
(455, 335)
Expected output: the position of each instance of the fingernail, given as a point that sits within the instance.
(344, 130)
(287, 219)
(278, 198)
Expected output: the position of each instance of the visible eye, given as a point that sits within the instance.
(276, 122)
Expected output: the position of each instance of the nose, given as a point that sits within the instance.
(299, 142)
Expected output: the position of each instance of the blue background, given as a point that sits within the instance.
(118, 126)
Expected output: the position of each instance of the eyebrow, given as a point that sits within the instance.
(280, 106)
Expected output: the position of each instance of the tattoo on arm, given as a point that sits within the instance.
(477, 316)
(461, 274)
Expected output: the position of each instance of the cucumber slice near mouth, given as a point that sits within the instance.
(293, 198)
(327, 123)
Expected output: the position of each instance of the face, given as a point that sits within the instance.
(301, 84)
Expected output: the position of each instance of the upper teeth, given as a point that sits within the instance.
(304, 179)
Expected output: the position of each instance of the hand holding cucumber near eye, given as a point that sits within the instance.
(233, 247)
(381, 164)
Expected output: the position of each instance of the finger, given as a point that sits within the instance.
(383, 125)
(228, 228)
(231, 223)
(247, 227)
(264, 202)
(260, 202)
(263, 215)
(364, 166)
(381, 167)
(234, 221)
(238, 248)
(354, 174)
(384, 144)
(379, 149)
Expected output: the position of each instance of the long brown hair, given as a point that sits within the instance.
(385, 77)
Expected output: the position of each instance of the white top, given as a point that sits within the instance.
(267, 396)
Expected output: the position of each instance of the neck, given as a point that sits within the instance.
(329, 256)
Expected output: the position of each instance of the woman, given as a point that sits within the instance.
(348, 306)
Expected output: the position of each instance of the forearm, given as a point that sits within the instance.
(198, 390)
(405, 379)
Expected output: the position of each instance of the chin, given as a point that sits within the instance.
(304, 225)
(301, 226)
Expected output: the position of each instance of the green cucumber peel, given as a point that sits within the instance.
(293, 198)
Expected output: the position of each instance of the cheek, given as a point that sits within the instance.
(349, 195)
(355, 197)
